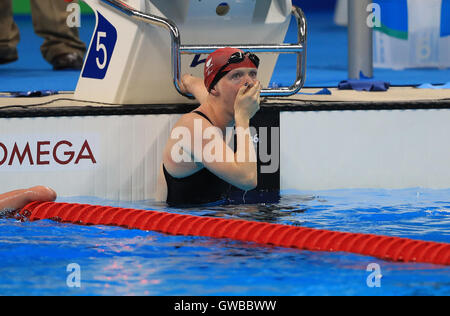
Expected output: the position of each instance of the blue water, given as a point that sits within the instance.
(117, 261)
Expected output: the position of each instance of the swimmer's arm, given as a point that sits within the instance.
(17, 199)
(194, 86)
(246, 105)
(241, 169)
(245, 148)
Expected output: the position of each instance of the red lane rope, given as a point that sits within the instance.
(383, 247)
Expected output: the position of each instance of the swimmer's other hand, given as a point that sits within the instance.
(184, 83)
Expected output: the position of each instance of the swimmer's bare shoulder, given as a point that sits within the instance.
(184, 124)
(185, 121)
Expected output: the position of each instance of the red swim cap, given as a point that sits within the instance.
(220, 58)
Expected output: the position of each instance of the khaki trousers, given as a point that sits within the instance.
(49, 22)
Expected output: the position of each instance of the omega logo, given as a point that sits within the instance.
(46, 153)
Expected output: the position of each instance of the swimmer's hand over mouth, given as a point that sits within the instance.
(247, 101)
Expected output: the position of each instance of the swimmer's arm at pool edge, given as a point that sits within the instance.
(195, 86)
(17, 199)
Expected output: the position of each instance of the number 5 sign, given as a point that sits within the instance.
(101, 50)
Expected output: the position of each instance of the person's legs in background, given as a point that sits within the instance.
(62, 46)
(9, 33)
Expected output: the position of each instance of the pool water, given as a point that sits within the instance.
(118, 261)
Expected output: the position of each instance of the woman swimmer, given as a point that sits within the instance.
(229, 96)
(15, 200)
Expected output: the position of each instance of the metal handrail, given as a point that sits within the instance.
(177, 49)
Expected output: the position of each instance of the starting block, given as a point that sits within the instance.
(141, 48)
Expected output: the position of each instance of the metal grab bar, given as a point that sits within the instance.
(177, 49)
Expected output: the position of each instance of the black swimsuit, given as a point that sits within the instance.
(202, 187)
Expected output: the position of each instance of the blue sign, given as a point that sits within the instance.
(197, 61)
(394, 18)
(102, 47)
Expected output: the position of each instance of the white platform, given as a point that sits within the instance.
(365, 149)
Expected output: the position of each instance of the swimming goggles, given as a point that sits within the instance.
(235, 58)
